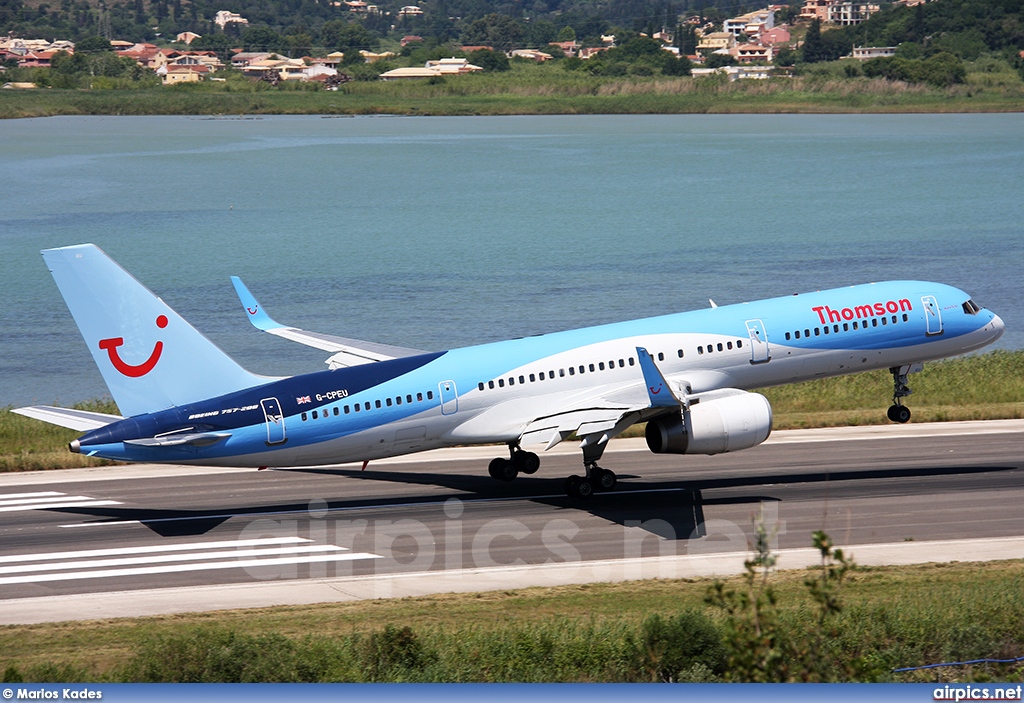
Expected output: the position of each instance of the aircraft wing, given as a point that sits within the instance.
(347, 352)
(81, 420)
(598, 419)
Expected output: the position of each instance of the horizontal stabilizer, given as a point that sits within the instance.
(81, 420)
(192, 439)
(347, 352)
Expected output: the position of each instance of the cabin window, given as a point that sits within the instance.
(583, 369)
(480, 385)
(348, 410)
(376, 403)
(797, 334)
(356, 407)
(854, 325)
(336, 411)
(592, 368)
(807, 333)
(408, 398)
(419, 396)
(572, 370)
(661, 355)
(501, 383)
(315, 416)
(622, 364)
(700, 350)
(680, 352)
(787, 335)
(532, 378)
(303, 417)
(511, 380)
(719, 346)
(906, 318)
(817, 331)
(846, 327)
(631, 362)
(728, 345)
(387, 401)
(825, 330)
(490, 384)
(541, 375)
(561, 373)
(430, 395)
(739, 343)
(600, 365)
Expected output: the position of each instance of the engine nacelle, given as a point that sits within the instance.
(722, 421)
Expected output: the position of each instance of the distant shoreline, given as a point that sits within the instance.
(663, 96)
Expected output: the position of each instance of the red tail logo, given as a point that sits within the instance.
(131, 370)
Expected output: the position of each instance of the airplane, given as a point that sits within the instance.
(689, 376)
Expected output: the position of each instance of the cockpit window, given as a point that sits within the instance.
(971, 307)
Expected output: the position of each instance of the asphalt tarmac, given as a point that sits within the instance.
(148, 539)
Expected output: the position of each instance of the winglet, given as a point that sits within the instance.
(255, 312)
(658, 390)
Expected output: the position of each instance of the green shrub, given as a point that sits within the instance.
(686, 647)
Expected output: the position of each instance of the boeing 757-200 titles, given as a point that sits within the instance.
(689, 376)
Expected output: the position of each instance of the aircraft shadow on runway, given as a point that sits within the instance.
(671, 509)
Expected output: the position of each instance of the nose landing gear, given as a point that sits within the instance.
(898, 412)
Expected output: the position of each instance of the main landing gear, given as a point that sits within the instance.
(898, 412)
(597, 479)
(518, 462)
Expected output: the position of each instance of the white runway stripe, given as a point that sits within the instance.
(74, 504)
(169, 558)
(152, 549)
(40, 494)
(177, 568)
(44, 500)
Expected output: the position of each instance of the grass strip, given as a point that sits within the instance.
(635, 631)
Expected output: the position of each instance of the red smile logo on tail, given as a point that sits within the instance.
(133, 371)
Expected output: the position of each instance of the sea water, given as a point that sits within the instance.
(434, 232)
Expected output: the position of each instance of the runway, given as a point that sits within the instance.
(147, 539)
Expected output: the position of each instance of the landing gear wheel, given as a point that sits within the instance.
(899, 413)
(502, 469)
(526, 462)
(603, 479)
(577, 487)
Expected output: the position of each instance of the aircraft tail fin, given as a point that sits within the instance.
(150, 357)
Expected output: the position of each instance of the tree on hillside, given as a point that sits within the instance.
(813, 49)
(92, 45)
(500, 31)
(339, 35)
(263, 39)
(490, 60)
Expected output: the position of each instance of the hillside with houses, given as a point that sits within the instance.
(910, 40)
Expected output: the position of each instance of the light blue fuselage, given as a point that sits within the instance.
(493, 392)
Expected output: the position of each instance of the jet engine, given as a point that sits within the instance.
(719, 421)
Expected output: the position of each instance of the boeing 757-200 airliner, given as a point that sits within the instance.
(689, 376)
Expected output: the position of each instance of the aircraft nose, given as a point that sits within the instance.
(997, 326)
